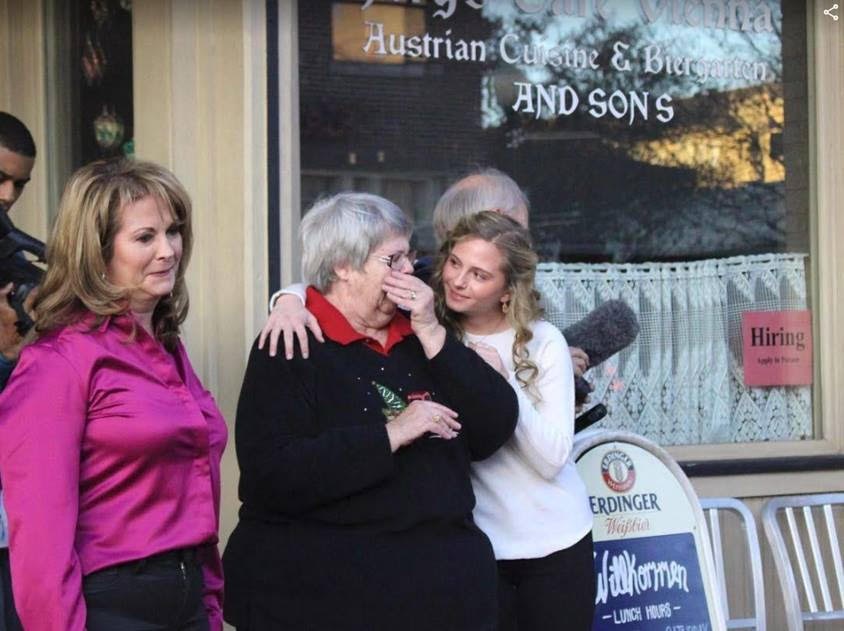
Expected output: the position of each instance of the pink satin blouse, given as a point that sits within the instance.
(110, 451)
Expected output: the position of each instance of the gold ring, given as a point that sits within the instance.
(437, 418)
(412, 295)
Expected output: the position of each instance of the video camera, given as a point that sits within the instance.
(16, 268)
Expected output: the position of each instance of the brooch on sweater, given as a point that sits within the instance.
(394, 404)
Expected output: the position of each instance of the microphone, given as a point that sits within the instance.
(605, 330)
(590, 417)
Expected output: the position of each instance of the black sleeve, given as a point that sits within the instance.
(287, 463)
(486, 403)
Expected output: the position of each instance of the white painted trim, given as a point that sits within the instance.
(829, 199)
(255, 203)
(288, 125)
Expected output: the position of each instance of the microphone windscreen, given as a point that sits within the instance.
(605, 330)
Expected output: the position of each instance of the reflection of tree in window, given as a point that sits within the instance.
(710, 182)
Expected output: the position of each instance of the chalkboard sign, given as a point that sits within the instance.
(653, 566)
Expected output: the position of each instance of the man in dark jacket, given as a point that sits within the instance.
(17, 157)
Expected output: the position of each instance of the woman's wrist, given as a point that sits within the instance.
(432, 338)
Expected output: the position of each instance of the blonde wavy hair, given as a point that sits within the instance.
(519, 266)
(82, 244)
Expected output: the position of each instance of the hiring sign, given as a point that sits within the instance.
(653, 567)
(777, 348)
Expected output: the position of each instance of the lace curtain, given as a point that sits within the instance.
(681, 382)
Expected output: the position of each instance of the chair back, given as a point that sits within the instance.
(814, 549)
(715, 509)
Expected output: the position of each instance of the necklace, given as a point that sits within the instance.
(480, 339)
(499, 327)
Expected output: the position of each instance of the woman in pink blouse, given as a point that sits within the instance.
(109, 445)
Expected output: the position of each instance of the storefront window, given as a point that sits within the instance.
(89, 86)
(102, 50)
(664, 148)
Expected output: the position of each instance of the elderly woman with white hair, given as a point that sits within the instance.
(357, 502)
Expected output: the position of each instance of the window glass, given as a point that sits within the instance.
(663, 147)
(102, 94)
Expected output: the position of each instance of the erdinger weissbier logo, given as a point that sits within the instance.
(618, 471)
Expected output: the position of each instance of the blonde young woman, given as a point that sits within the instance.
(530, 501)
(109, 445)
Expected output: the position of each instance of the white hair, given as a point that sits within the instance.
(344, 230)
(485, 189)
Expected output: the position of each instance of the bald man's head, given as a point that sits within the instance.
(487, 189)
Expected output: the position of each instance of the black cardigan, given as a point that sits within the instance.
(328, 511)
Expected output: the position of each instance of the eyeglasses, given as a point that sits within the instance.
(397, 261)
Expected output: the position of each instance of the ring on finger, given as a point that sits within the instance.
(437, 418)
(412, 295)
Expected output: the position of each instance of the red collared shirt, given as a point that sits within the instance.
(336, 327)
(110, 451)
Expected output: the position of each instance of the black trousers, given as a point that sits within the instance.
(553, 593)
(159, 593)
(8, 616)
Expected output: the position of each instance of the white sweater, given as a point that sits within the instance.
(530, 499)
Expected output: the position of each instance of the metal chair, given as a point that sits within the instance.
(805, 537)
(713, 507)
